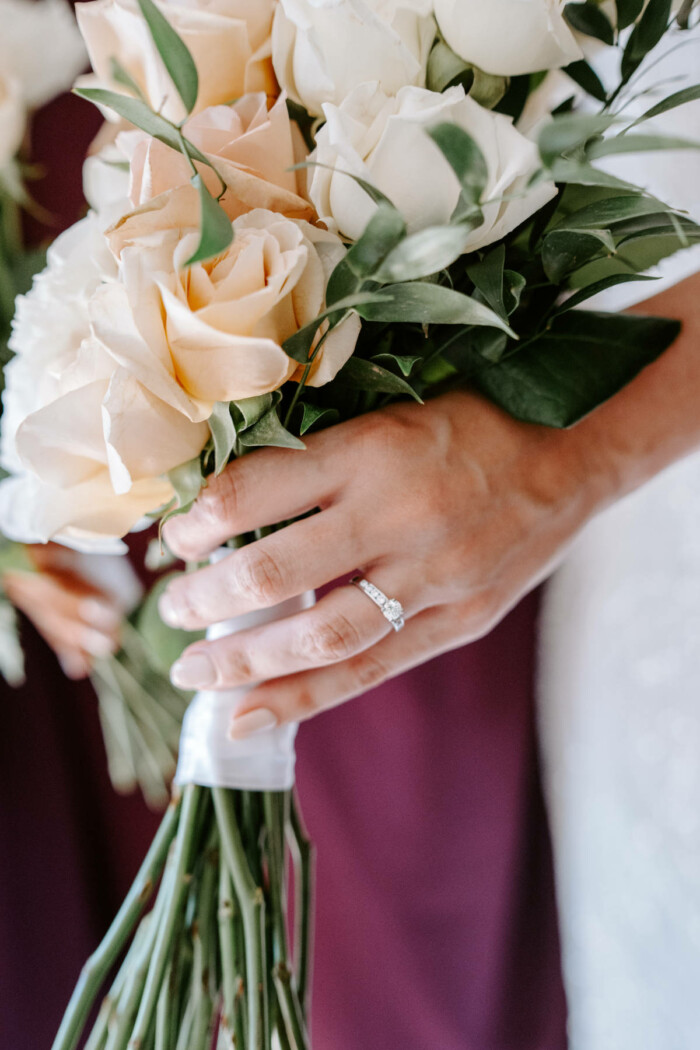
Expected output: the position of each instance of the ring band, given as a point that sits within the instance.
(390, 608)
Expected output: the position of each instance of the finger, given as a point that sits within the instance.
(298, 697)
(66, 608)
(255, 491)
(65, 634)
(340, 626)
(74, 664)
(303, 556)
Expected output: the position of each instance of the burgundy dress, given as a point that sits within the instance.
(435, 925)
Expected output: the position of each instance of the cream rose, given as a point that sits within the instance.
(322, 49)
(383, 140)
(508, 37)
(252, 149)
(88, 442)
(229, 41)
(222, 323)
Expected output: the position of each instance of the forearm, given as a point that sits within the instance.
(656, 419)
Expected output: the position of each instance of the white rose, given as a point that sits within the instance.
(40, 47)
(106, 168)
(87, 441)
(12, 120)
(384, 141)
(508, 37)
(322, 49)
(228, 39)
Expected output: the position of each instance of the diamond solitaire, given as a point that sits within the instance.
(391, 608)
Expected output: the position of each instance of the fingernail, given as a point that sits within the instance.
(251, 723)
(96, 643)
(193, 671)
(169, 611)
(73, 666)
(99, 614)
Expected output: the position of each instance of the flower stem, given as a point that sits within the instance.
(303, 854)
(100, 962)
(251, 901)
(174, 905)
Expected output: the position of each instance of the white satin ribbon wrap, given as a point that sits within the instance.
(263, 762)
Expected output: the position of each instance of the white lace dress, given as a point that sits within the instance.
(620, 721)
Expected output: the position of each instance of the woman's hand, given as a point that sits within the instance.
(451, 507)
(77, 620)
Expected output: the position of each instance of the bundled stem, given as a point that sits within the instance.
(209, 965)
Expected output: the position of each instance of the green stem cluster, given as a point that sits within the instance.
(209, 965)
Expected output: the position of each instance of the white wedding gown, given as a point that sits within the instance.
(620, 719)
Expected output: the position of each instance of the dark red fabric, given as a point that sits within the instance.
(436, 925)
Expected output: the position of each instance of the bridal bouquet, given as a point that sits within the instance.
(302, 211)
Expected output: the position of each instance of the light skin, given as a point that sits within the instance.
(76, 619)
(452, 507)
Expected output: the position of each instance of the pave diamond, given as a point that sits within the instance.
(391, 608)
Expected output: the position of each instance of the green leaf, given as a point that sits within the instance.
(444, 67)
(586, 77)
(382, 233)
(645, 36)
(582, 174)
(487, 89)
(564, 251)
(611, 211)
(223, 432)
(600, 286)
(627, 12)
(424, 253)
(317, 417)
(423, 303)
(404, 363)
(515, 284)
(487, 277)
(216, 229)
(163, 645)
(638, 144)
(269, 431)
(591, 21)
(679, 98)
(123, 77)
(684, 12)
(581, 362)
(187, 481)
(298, 346)
(251, 409)
(14, 557)
(567, 133)
(468, 163)
(369, 376)
(174, 52)
(12, 666)
(136, 112)
(372, 192)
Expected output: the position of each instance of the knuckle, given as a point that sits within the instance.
(480, 613)
(330, 640)
(306, 704)
(220, 501)
(234, 665)
(258, 577)
(370, 671)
